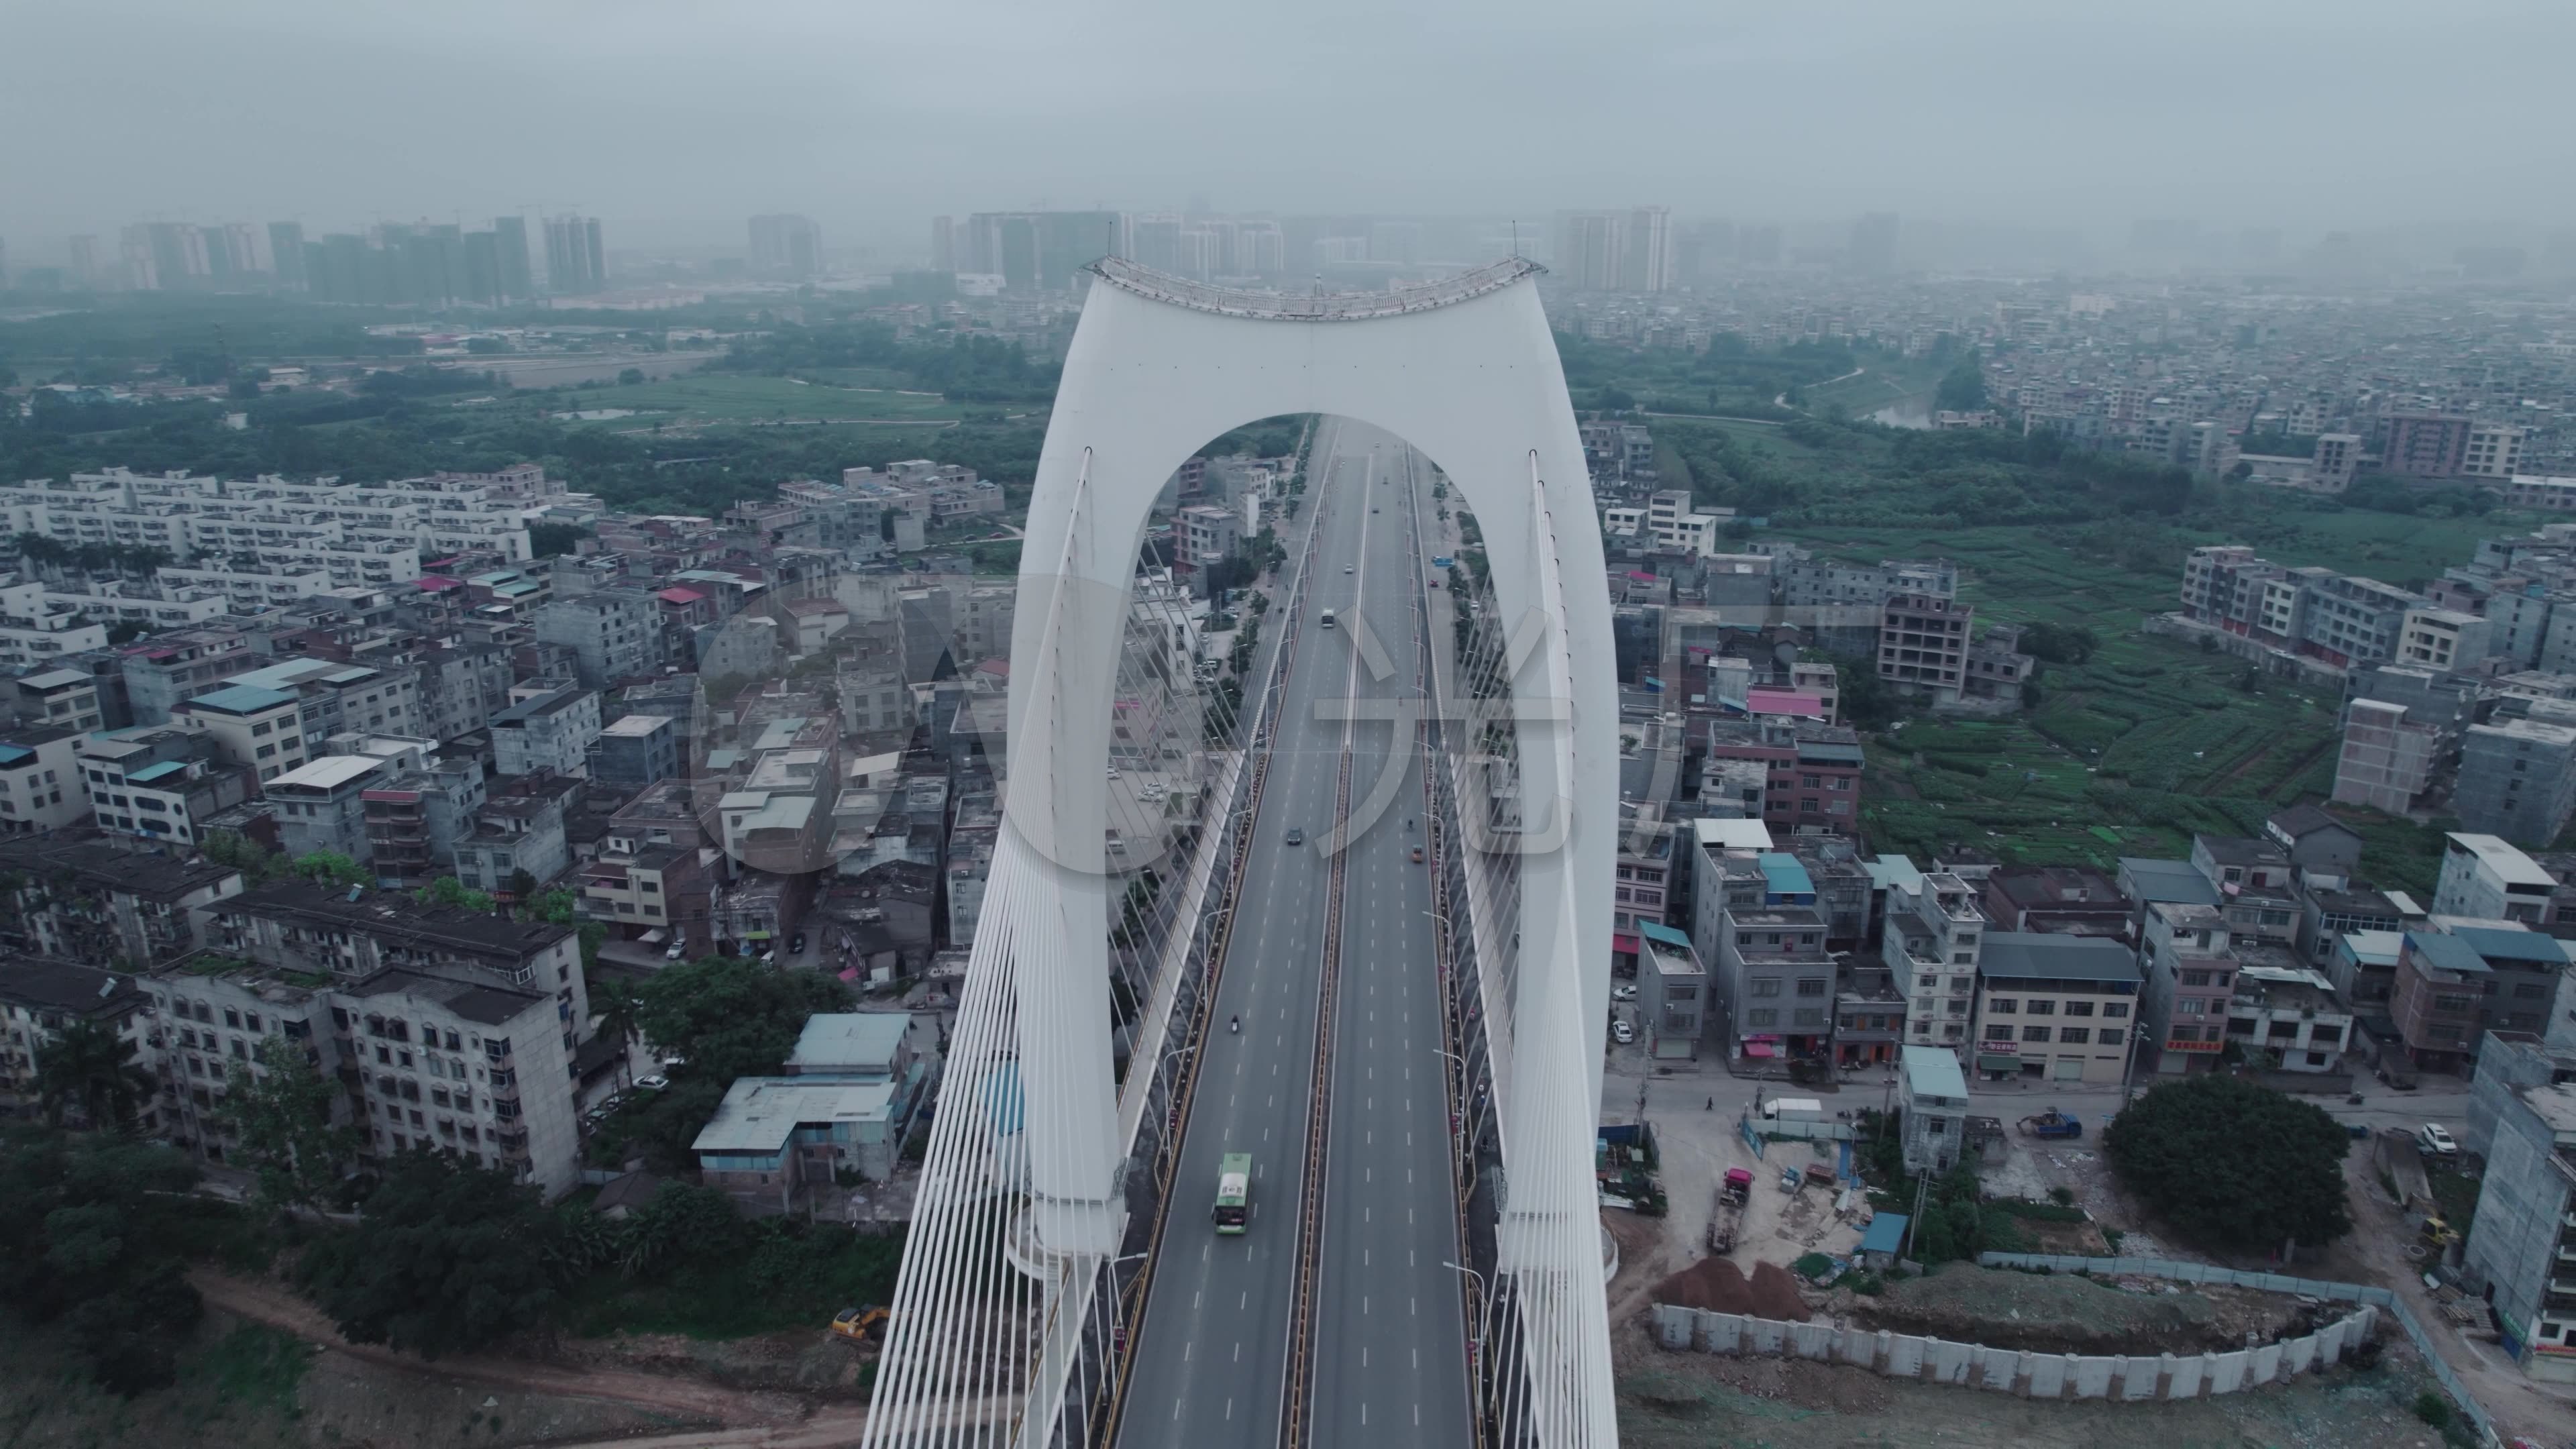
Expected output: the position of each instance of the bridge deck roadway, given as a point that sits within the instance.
(1389, 1356)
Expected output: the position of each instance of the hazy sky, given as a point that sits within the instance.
(680, 117)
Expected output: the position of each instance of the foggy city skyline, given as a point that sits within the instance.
(2008, 115)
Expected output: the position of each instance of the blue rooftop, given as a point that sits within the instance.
(2495, 945)
(1886, 1232)
(12, 756)
(243, 699)
(1783, 877)
(1663, 935)
(2446, 953)
(150, 773)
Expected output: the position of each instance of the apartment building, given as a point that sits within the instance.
(2188, 979)
(40, 780)
(2055, 1008)
(415, 817)
(162, 671)
(1202, 534)
(38, 630)
(259, 730)
(160, 783)
(664, 889)
(2486, 878)
(2286, 1015)
(1931, 942)
(357, 535)
(1813, 771)
(2425, 445)
(210, 1017)
(2494, 450)
(1923, 644)
(635, 751)
(460, 1065)
(518, 832)
(2452, 987)
(2521, 1248)
(614, 634)
(39, 1000)
(547, 731)
(2517, 775)
(1673, 993)
(321, 805)
(2441, 639)
(98, 902)
(1775, 982)
(2343, 620)
(62, 698)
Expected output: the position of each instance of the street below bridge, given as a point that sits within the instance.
(1385, 1348)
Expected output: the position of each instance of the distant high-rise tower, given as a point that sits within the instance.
(510, 249)
(786, 246)
(1646, 264)
(1591, 248)
(286, 252)
(943, 244)
(575, 263)
(84, 251)
(1873, 244)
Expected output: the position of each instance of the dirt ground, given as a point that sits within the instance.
(2063, 1313)
(330, 1400)
(1697, 1401)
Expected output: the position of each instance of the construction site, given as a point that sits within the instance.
(1805, 1282)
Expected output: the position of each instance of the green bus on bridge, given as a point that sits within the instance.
(1234, 1192)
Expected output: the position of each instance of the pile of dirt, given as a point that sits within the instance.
(1711, 1283)
(2050, 1313)
(1775, 1294)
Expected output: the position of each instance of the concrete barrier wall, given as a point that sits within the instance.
(2128, 1378)
(2253, 1371)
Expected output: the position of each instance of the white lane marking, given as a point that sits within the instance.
(1186, 1346)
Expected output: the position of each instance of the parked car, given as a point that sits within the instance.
(2436, 1141)
(678, 950)
(1623, 993)
(653, 1083)
(1622, 1033)
(796, 944)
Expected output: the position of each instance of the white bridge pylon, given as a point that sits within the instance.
(1022, 1203)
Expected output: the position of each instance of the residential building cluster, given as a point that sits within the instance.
(2460, 699)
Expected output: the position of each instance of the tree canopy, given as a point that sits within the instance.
(89, 1067)
(733, 1017)
(2233, 1164)
(282, 1114)
(447, 1257)
(1963, 388)
(88, 1235)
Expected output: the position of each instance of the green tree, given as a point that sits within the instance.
(447, 890)
(682, 1223)
(2233, 1164)
(2059, 643)
(447, 1257)
(87, 1232)
(1963, 388)
(732, 1017)
(619, 1009)
(282, 1113)
(556, 907)
(331, 868)
(88, 1066)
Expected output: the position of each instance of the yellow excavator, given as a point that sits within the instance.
(856, 1324)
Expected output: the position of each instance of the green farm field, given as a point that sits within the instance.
(724, 399)
(2147, 740)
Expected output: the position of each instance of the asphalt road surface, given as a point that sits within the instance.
(1211, 1361)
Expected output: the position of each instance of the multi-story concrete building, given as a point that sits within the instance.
(40, 780)
(37, 629)
(2425, 445)
(2486, 878)
(39, 1000)
(1923, 644)
(2453, 987)
(635, 751)
(2055, 1008)
(64, 699)
(161, 783)
(519, 832)
(547, 731)
(2287, 1015)
(1775, 982)
(2441, 639)
(1202, 534)
(259, 730)
(2187, 980)
(1814, 778)
(1931, 941)
(320, 805)
(2522, 1244)
(168, 668)
(614, 634)
(97, 902)
(416, 817)
(210, 1019)
(452, 1063)
(2517, 775)
(1673, 993)
(2494, 450)
(1936, 1109)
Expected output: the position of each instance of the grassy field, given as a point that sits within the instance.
(2148, 740)
(719, 399)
